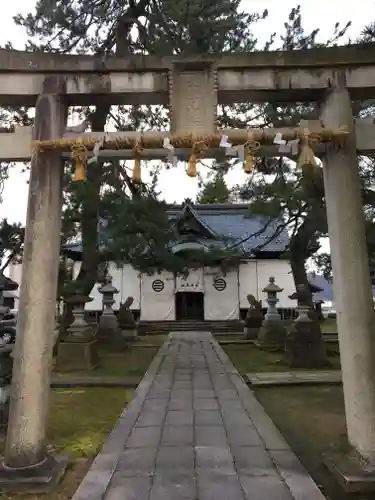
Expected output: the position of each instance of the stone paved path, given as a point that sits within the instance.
(195, 431)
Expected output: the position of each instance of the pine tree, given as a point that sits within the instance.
(214, 190)
(109, 26)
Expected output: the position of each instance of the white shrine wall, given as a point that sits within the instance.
(250, 278)
(248, 282)
(125, 279)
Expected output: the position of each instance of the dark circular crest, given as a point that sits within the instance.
(220, 284)
(158, 285)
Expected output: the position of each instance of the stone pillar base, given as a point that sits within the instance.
(40, 478)
(352, 473)
(77, 356)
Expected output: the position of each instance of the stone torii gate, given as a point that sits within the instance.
(192, 88)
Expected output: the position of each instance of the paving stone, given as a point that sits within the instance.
(199, 393)
(158, 394)
(136, 462)
(144, 437)
(177, 435)
(150, 418)
(180, 404)
(155, 404)
(195, 431)
(181, 393)
(129, 488)
(172, 458)
(182, 386)
(227, 394)
(243, 435)
(252, 460)
(210, 436)
(178, 487)
(208, 417)
(179, 417)
(206, 404)
(230, 407)
(214, 458)
(219, 487)
(266, 488)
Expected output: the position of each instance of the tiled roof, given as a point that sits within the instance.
(234, 221)
(231, 222)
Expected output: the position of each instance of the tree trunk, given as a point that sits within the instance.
(299, 274)
(88, 273)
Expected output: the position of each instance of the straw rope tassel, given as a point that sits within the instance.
(250, 147)
(192, 165)
(306, 157)
(198, 147)
(79, 152)
(80, 171)
(137, 173)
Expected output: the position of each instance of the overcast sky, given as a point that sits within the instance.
(174, 184)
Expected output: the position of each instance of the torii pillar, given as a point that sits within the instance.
(26, 461)
(351, 276)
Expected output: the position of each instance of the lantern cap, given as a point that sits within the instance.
(108, 287)
(272, 287)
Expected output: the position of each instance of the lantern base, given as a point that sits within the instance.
(305, 347)
(272, 336)
(77, 356)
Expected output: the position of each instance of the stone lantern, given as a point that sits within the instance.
(305, 346)
(78, 349)
(272, 290)
(108, 323)
(272, 333)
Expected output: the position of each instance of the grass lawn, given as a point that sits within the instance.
(132, 362)
(312, 421)
(80, 420)
(329, 325)
(248, 358)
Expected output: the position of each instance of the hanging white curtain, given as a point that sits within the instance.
(157, 297)
(221, 300)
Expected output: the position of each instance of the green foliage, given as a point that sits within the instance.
(215, 190)
(11, 243)
(174, 27)
(163, 27)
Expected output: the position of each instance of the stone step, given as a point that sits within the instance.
(187, 325)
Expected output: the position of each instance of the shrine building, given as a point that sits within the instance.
(207, 293)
